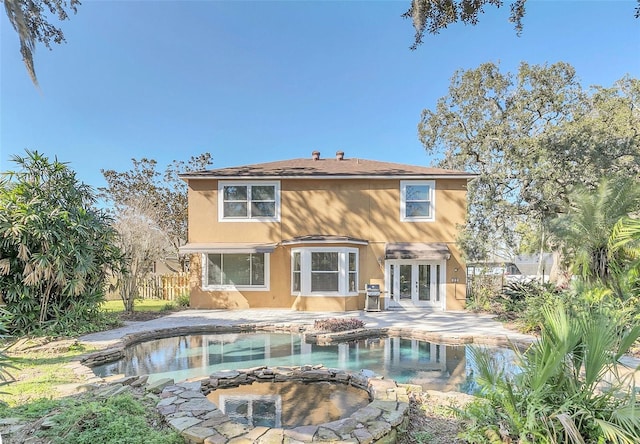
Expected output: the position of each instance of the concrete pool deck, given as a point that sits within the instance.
(452, 324)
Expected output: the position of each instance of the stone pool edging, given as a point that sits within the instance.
(375, 432)
(185, 407)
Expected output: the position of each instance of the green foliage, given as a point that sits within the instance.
(432, 17)
(586, 229)
(5, 360)
(625, 241)
(168, 306)
(531, 137)
(34, 409)
(183, 300)
(569, 389)
(40, 373)
(77, 322)
(30, 19)
(84, 420)
(528, 300)
(55, 248)
(484, 291)
(164, 191)
(118, 419)
(422, 437)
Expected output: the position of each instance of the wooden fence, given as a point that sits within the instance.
(166, 286)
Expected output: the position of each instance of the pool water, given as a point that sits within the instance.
(431, 365)
(289, 404)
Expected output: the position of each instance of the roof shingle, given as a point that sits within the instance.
(347, 167)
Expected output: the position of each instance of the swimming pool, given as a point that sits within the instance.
(431, 365)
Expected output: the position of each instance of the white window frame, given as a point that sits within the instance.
(205, 276)
(403, 200)
(343, 271)
(248, 184)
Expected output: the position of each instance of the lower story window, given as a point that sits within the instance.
(233, 270)
(325, 271)
(331, 271)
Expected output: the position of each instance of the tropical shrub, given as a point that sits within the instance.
(55, 248)
(526, 300)
(484, 291)
(569, 389)
(5, 360)
(183, 300)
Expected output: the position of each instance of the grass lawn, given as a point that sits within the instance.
(140, 305)
(39, 393)
(36, 374)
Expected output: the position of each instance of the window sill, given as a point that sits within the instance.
(249, 219)
(233, 288)
(416, 219)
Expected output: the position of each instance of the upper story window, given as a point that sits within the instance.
(248, 201)
(417, 200)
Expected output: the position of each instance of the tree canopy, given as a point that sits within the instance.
(531, 137)
(142, 242)
(165, 193)
(431, 16)
(30, 21)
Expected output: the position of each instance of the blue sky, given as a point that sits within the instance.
(270, 80)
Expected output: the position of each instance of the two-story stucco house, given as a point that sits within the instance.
(310, 234)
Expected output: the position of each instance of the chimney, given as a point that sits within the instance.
(339, 155)
(315, 155)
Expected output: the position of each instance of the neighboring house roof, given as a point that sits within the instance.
(316, 167)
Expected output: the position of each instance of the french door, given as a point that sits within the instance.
(416, 282)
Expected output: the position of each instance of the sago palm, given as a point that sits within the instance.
(625, 241)
(585, 230)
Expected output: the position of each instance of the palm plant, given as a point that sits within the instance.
(626, 236)
(5, 360)
(55, 248)
(585, 230)
(570, 389)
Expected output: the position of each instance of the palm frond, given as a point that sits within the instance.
(614, 433)
(570, 428)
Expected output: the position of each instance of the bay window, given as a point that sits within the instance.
(324, 271)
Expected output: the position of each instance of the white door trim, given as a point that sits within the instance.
(437, 287)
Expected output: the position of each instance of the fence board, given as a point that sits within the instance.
(166, 286)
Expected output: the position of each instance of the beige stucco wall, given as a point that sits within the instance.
(366, 209)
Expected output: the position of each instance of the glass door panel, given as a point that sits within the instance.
(405, 276)
(424, 282)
